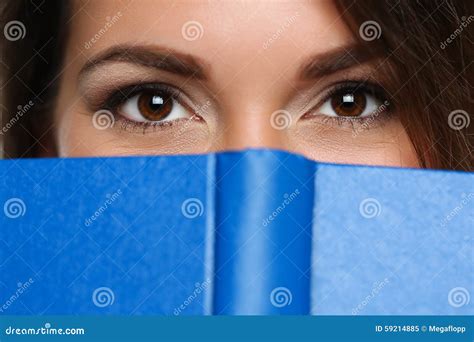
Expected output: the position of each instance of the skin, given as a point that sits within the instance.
(248, 76)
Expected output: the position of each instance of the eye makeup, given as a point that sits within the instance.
(170, 99)
(347, 94)
(349, 101)
(149, 127)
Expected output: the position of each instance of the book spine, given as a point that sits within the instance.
(262, 255)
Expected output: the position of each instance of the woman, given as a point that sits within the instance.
(362, 82)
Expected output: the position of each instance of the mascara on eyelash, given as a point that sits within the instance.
(355, 123)
(145, 127)
(352, 86)
(121, 95)
(348, 86)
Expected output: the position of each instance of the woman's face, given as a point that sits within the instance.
(182, 77)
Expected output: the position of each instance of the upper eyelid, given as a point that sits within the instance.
(353, 86)
(97, 86)
(135, 90)
(119, 96)
(341, 85)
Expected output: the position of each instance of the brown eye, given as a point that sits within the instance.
(349, 104)
(155, 105)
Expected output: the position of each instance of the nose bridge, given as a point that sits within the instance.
(253, 117)
(250, 128)
(253, 101)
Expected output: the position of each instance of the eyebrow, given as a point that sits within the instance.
(151, 57)
(190, 66)
(336, 60)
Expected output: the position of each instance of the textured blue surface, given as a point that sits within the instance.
(182, 235)
(141, 247)
(393, 241)
(263, 234)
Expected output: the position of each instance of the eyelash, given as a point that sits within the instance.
(122, 95)
(145, 127)
(349, 86)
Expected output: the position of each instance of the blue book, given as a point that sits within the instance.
(253, 232)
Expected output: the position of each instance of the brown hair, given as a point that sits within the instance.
(429, 46)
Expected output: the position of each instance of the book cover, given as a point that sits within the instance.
(250, 232)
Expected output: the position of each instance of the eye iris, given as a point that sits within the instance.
(155, 106)
(350, 104)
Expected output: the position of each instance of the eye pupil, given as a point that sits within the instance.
(349, 104)
(155, 106)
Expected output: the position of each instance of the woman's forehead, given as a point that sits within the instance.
(249, 45)
(220, 31)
